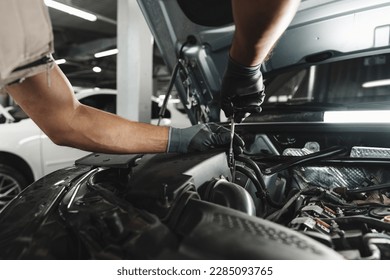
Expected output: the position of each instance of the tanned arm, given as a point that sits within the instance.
(259, 24)
(54, 108)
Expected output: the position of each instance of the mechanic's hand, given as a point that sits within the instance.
(242, 90)
(202, 137)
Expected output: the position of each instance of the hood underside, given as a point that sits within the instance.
(200, 34)
(328, 27)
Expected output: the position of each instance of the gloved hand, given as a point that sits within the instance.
(242, 90)
(202, 137)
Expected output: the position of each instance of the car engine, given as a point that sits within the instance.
(318, 195)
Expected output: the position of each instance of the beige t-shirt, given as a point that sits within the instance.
(25, 37)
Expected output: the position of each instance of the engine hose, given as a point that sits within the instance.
(260, 179)
(360, 219)
(305, 159)
(277, 214)
(260, 192)
(255, 169)
(260, 176)
(370, 188)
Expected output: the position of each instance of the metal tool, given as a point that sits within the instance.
(231, 160)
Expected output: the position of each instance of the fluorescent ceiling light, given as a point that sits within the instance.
(61, 61)
(381, 116)
(106, 53)
(378, 83)
(70, 10)
(97, 69)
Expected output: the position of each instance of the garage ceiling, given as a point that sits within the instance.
(77, 40)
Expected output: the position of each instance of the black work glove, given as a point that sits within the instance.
(202, 137)
(242, 90)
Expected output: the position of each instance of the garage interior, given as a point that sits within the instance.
(309, 180)
(86, 49)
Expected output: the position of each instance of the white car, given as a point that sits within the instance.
(27, 154)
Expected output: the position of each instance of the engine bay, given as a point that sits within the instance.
(318, 195)
(333, 189)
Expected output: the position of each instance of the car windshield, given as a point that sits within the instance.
(362, 83)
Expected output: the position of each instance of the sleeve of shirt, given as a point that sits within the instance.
(26, 39)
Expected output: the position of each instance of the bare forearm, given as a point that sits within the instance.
(259, 24)
(98, 131)
(55, 110)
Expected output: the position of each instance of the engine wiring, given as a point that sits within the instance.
(326, 153)
(331, 214)
(258, 181)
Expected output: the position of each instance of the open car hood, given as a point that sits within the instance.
(200, 32)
